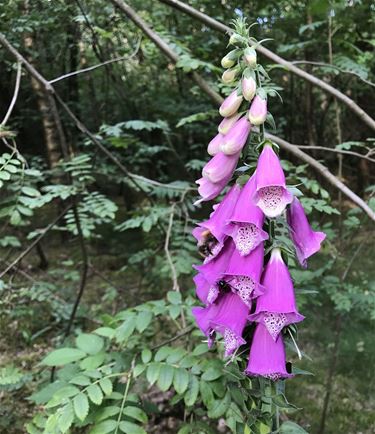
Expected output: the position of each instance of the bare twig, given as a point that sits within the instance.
(92, 68)
(338, 151)
(178, 336)
(15, 94)
(176, 286)
(35, 242)
(214, 24)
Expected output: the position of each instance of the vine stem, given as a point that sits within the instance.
(130, 374)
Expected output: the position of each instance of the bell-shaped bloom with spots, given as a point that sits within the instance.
(243, 274)
(228, 316)
(231, 104)
(271, 194)
(210, 273)
(276, 308)
(235, 139)
(267, 356)
(306, 241)
(211, 233)
(246, 221)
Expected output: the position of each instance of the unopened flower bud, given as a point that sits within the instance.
(235, 140)
(213, 147)
(229, 75)
(227, 123)
(231, 104)
(258, 111)
(250, 56)
(230, 59)
(235, 39)
(249, 88)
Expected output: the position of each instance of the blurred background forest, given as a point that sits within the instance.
(97, 185)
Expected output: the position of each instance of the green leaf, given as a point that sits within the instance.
(89, 343)
(81, 406)
(174, 297)
(63, 356)
(92, 362)
(106, 332)
(95, 394)
(131, 428)
(30, 191)
(218, 408)
(146, 355)
(143, 320)
(162, 353)
(106, 385)
(153, 372)
(106, 412)
(136, 413)
(80, 380)
(206, 393)
(180, 380)
(66, 418)
(165, 377)
(289, 427)
(212, 374)
(104, 427)
(192, 393)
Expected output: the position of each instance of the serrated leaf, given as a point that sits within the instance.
(81, 406)
(165, 377)
(106, 385)
(136, 413)
(289, 427)
(92, 362)
(106, 332)
(89, 343)
(63, 356)
(66, 418)
(80, 380)
(131, 428)
(192, 393)
(162, 353)
(174, 297)
(180, 380)
(104, 427)
(95, 394)
(106, 412)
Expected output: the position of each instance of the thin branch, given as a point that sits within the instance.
(92, 68)
(214, 24)
(160, 184)
(178, 336)
(329, 65)
(338, 151)
(15, 94)
(292, 149)
(35, 242)
(176, 286)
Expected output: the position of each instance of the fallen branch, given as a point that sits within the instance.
(15, 95)
(214, 24)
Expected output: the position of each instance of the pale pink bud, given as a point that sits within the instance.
(250, 56)
(230, 105)
(249, 87)
(229, 75)
(227, 123)
(213, 147)
(235, 140)
(258, 111)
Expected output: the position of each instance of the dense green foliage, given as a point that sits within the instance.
(133, 361)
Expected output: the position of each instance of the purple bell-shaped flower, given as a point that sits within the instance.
(271, 194)
(210, 273)
(243, 274)
(246, 221)
(211, 233)
(228, 316)
(276, 308)
(306, 241)
(267, 357)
